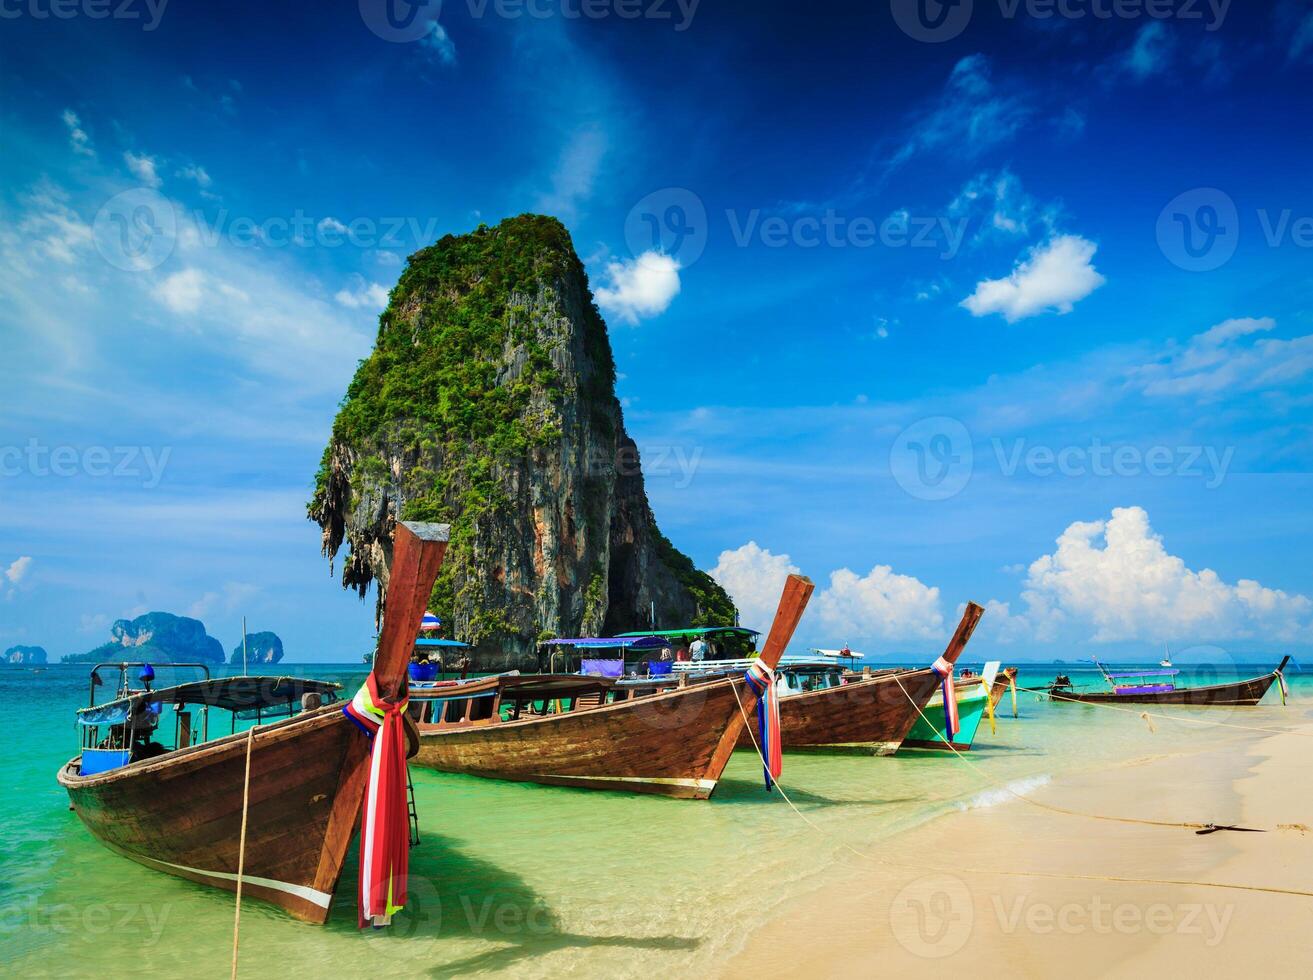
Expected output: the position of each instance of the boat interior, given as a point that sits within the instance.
(142, 722)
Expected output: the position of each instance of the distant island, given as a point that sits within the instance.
(261, 648)
(24, 655)
(158, 637)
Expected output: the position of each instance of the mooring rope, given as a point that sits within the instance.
(241, 849)
(1006, 873)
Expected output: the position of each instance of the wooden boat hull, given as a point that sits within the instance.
(675, 743)
(182, 813)
(870, 716)
(928, 731)
(1246, 693)
(1005, 679)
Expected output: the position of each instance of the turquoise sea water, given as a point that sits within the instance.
(530, 879)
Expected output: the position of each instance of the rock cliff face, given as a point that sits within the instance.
(489, 402)
(159, 637)
(261, 648)
(24, 655)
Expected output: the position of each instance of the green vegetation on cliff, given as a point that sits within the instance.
(492, 373)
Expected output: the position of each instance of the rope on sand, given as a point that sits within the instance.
(241, 849)
(923, 869)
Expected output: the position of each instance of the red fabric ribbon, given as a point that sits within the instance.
(384, 820)
(951, 721)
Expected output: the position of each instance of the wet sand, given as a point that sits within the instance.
(1057, 909)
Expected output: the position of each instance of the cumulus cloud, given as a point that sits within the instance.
(754, 578)
(1116, 578)
(181, 292)
(1053, 276)
(17, 569)
(362, 295)
(1229, 358)
(639, 288)
(78, 139)
(879, 605)
(143, 168)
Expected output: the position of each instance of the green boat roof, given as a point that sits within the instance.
(697, 631)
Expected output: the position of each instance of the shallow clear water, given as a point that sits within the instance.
(530, 878)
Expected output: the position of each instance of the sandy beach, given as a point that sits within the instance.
(1021, 890)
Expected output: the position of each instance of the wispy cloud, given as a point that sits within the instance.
(78, 139)
(577, 168)
(143, 168)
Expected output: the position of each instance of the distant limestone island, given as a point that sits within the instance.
(160, 637)
(24, 655)
(261, 648)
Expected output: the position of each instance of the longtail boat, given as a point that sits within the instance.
(1006, 679)
(179, 809)
(869, 713)
(973, 697)
(590, 732)
(1158, 686)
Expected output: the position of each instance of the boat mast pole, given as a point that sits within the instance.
(244, 670)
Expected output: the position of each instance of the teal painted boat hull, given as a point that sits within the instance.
(928, 731)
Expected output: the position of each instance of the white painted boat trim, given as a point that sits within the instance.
(707, 784)
(322, 899)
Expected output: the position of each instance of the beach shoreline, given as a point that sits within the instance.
(1022, 889)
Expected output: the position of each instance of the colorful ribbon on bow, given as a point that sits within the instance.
(384, 820)
(761, 681)
(945, 671)
(1281, 686)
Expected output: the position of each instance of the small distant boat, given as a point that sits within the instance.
(1167, 658)
(590, 731)
(974, 695)
(179, 809)
(1150, 686)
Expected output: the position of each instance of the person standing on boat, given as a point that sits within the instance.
(697, 650)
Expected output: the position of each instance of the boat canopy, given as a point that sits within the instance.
(444, 644)
(235, 694)
(1155, 672)
(697, 631)
(626, 642)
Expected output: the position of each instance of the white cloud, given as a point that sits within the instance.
(754, 578)
(18, 569)
(1003, 207)
(143, 168)
(1151, 51)
(363, 295)
(1116, 578)
(78, 139)
(576, 172)
(879, 605)
(639, 288)
(330, 224)
(1053, 276)
(970, 115)
(181, 292)
(197, 174)
(53, 229)
(438, 41)
(230, 600)
(1222, 361)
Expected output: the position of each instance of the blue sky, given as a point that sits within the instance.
(1014, 308)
